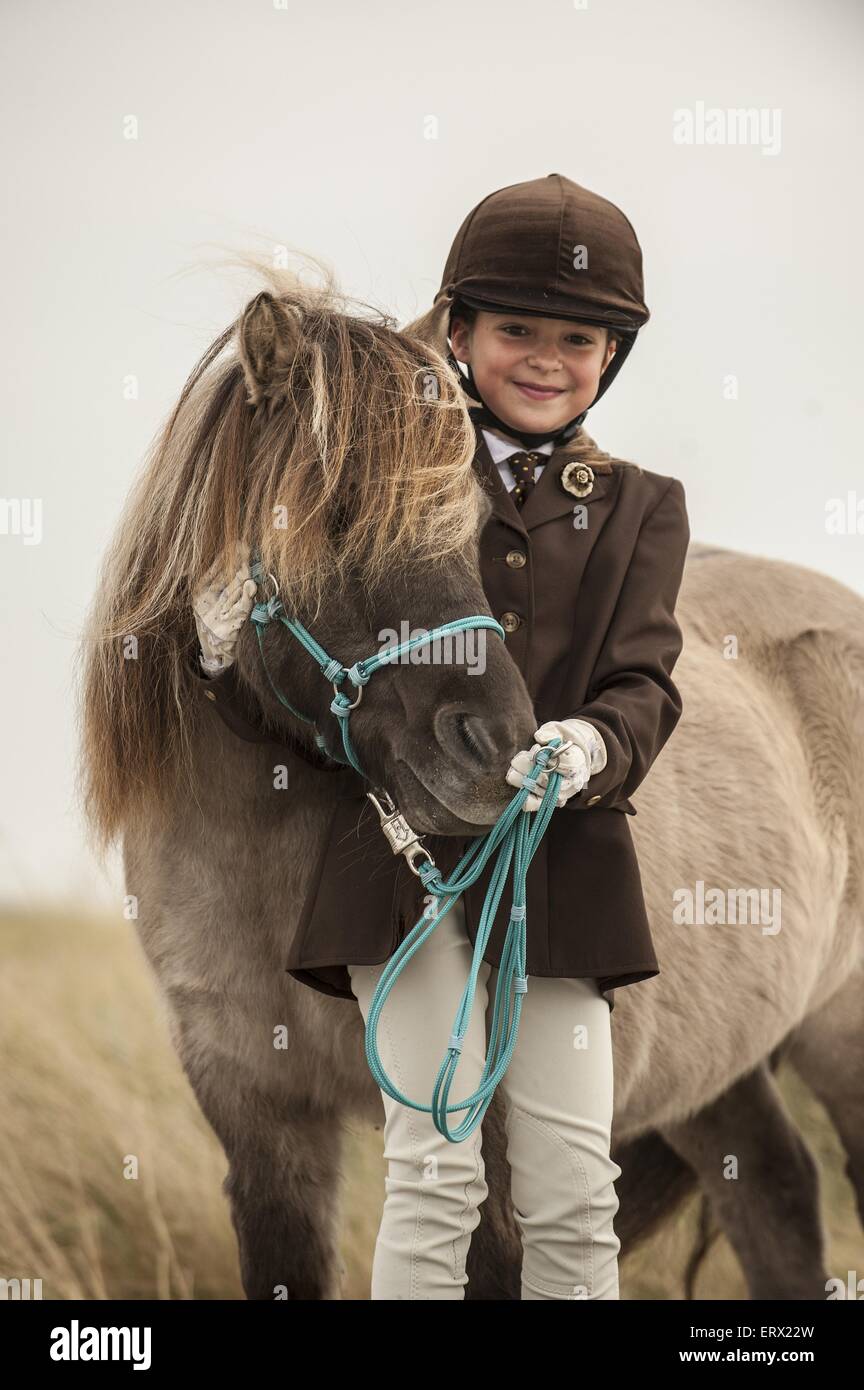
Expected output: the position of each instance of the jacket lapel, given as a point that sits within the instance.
(548, 499)
(502, 506)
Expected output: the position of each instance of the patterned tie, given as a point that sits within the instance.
(522, 466)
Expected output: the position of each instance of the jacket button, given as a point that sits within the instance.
(211, 694)
(516, 559)
(592, 800)
(510, 621)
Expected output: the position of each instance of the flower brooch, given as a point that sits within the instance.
(577, 478)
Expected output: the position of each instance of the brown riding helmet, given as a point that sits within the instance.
(551, 248)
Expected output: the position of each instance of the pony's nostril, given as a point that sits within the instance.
(466, 735)
(463, 733)
(474, 736)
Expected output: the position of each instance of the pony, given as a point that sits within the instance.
(342, 446)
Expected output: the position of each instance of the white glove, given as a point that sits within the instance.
(576, 764)
(220, 612)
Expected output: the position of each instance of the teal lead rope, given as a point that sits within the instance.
(516, 841)
(510, 836)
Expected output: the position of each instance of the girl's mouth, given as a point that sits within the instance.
(538, 393)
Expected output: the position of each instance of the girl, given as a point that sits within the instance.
(581, 560)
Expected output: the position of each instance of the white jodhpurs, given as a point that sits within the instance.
(557, 1092)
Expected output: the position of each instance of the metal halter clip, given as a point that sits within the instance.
(551, 764)
(400, 837)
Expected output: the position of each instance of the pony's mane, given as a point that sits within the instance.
(346, 448)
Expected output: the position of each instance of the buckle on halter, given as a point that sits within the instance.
(398, 833)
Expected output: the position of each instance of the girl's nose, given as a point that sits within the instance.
(546, 360)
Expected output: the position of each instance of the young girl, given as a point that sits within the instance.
(581, 560)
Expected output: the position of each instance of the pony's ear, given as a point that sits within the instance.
(267, 337)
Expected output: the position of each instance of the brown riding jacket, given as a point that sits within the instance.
(587, 600)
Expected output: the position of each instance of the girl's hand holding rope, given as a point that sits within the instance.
(576, 764)
(221, 610)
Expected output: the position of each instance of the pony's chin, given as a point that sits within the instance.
(433, 812)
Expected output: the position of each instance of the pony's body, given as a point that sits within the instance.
(223, 878)
(759, 789)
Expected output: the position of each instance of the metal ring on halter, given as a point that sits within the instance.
(356, 702)
(551, 764)
(275, 593)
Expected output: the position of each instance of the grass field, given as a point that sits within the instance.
(110, 1178)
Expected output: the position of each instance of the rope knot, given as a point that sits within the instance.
(358, 673)
(263, 613)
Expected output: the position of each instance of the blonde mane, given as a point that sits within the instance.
(311, 429)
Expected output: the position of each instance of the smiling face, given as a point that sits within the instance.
(534, 373)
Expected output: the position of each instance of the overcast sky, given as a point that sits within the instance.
(140, 139)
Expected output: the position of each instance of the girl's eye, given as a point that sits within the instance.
(517, 329)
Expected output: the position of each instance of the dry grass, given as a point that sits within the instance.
(90, 1086)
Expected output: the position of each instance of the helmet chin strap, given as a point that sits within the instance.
(485, 415)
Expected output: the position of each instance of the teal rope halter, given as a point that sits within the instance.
(510, 836)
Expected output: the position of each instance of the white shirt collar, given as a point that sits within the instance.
(501, 449)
